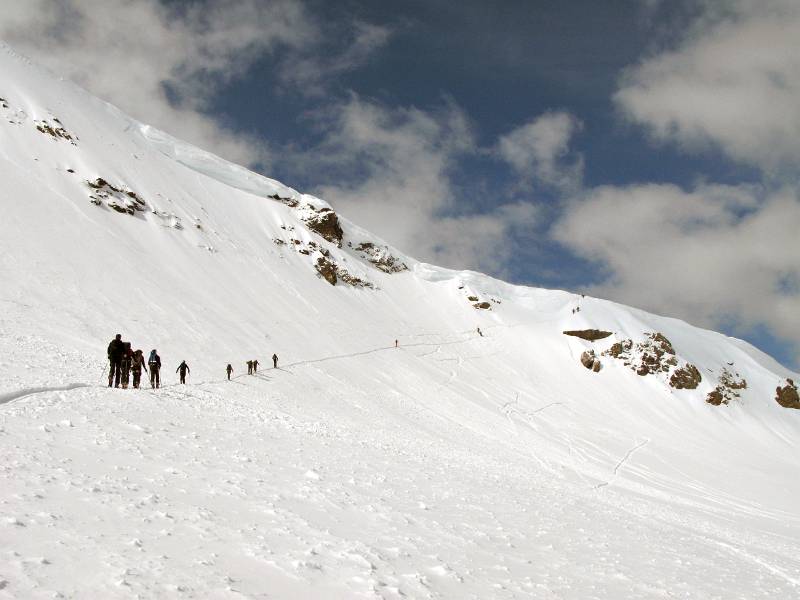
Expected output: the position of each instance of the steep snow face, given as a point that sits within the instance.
(456, 464)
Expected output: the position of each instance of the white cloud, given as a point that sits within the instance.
(714, 255)
(732, 82)
(397, 183)
(538, 150)
(309, 72)
(133, 54)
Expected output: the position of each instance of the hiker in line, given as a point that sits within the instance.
(578, 309)
(255, 367)
(125, 364)
(395, 343)
(137, 364)
(249, 367)
(229, 370)
(480, 333)
(155, 368)
(274, 361)
(183, 368)
(115, 349)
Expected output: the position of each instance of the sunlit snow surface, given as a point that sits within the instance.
(453, 466)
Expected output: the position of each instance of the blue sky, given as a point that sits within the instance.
(640, 150)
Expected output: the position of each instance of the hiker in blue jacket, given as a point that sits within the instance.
(154, 362)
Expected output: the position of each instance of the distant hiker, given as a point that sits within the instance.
(137, 364)
(395, 343)
(115, 350)
(249, 367)
(480, 333)
(255, 367)
(229, 370)
(578, 309)
(573, 311)
(583, 295)
(125, 364)
(274, 361)
(155, 368)
(183, 368)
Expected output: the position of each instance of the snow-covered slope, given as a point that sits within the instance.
(452, 466)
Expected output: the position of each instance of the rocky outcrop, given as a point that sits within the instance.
(686, 378)
(654, 355)
(333, 273)
(787, 395)
(13, 115)
(116, 198)
(588, 334)
(327, 269)
(590, 361)
(290, 202)
(727, 388)
(483, 305)
(325, 222)
(55, 130)
(381, 258)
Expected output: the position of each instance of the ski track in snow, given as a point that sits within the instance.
(17, 395)
(622, 462)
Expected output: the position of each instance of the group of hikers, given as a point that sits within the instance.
(252, 366)
(124, 362)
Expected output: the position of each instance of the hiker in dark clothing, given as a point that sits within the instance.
(395, 343)
(274, 361)
(137, 364)
(155, 368)
(229, 370)
(480, 333)
(125, 364)
(249, 367)
(255, 367)
(183, 368)
(115, 349)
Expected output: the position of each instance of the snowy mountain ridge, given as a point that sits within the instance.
(632, 456)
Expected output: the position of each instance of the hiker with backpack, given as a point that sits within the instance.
(115, 349)
(229, 370)
(274, 361)
(125, 364)
(249, 367)
(155, 367)
(137, 364)
(183, 368)
(255, 367)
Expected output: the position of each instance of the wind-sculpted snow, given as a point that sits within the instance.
(395, 452)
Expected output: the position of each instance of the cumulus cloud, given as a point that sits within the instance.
(714, 255)
(161, 63)
(389, 172)
(732, 82)
(538, 151)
